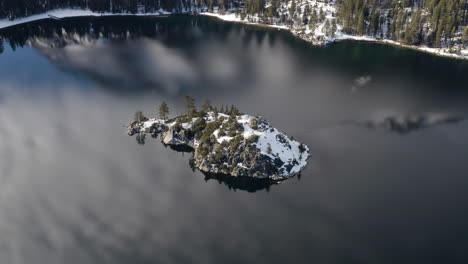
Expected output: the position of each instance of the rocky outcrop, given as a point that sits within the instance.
(234, 145)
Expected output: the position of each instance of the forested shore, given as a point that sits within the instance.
(432, 23)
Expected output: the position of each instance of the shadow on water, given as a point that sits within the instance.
(233, 183)
(181, 148)
(242, 183)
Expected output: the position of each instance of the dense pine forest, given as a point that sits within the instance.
(435, 23)
(412, 22)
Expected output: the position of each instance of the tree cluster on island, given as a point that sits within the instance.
(224, 141)
(190, 110)
(200, 126)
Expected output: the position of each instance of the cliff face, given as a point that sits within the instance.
(235, 145)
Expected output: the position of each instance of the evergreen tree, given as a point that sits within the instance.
(273, 9)
(140, 117)
(334, 26)
(326, 28)
(313, 20)
(465, 36)
(305, 16)
(189, 103)
(412, 32)
(439, 34)
(292, 9)
(361, 23)
(374, 23)
(234, 111)
(216, 113)
(206, 106)
(163, 111)
(321, 15)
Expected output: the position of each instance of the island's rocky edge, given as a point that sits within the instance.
(235, 145)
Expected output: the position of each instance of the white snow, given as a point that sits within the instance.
(437, 51)
(232, 18)
(287, 151)
(149, 123)
(63, 13)
(281, 146)
(57, 13)
(223, 138)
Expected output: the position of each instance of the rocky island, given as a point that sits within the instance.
(226, 142)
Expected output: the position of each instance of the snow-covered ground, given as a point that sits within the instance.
(271, 142)
(64, 13)
(275, 144)
(318, 37)
(233, 18)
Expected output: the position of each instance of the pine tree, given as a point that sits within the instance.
(140, 117)
(412, 32)
(374, 23)
(321, 15)
(439, 34)
(234, 111)
(292, 9)
(313, 20)
(465, 36)
(399, 25)
(305, 16)
(333, 27)
(216, 113)
(326, 28)
(163, 111)
(273, 9)
(206, 106)
(361, 23)
(189, 103)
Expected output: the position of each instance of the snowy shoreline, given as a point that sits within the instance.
(67, 13)
(342, 37)
(434, 51)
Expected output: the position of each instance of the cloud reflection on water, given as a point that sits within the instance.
(76, 189)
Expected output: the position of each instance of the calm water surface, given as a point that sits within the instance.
(74, 188)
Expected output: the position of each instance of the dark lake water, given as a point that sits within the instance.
(387, 181)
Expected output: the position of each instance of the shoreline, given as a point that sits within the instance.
(68, 13)
(424, 49)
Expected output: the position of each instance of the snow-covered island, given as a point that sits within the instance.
(228, 143)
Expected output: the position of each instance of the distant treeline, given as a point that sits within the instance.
(12, 9)
(436, 23)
